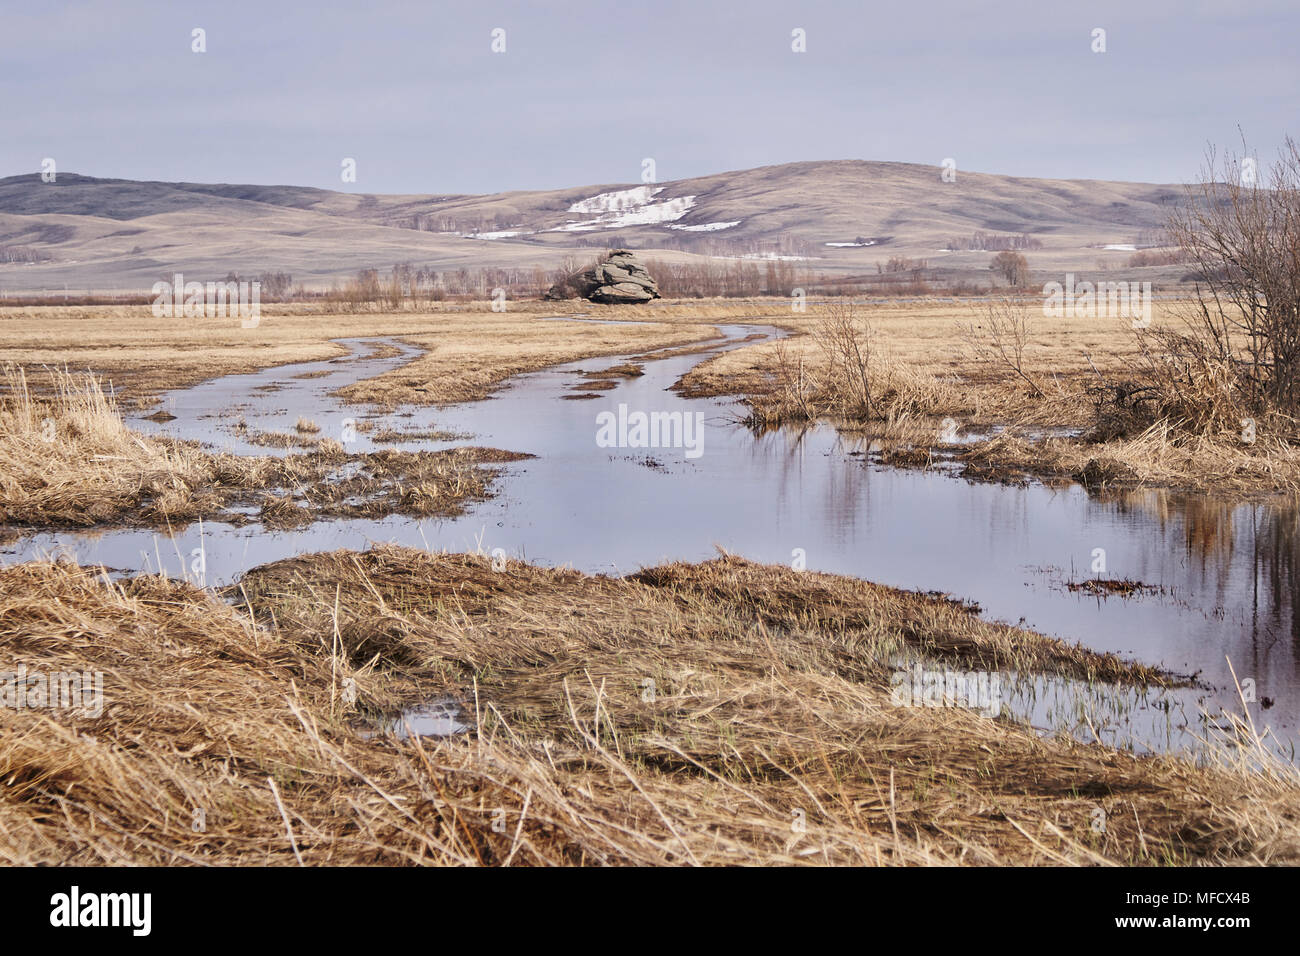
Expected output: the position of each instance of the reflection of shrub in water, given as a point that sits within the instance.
(1261, 539)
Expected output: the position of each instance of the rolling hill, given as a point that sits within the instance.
(844, 217)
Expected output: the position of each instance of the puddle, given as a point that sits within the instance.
(225, 412)
(1225, 573)
(439, 718)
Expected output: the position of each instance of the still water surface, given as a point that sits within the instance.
(1227, 572)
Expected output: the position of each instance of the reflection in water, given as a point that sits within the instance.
(1227, 571)
(438, 718)
(1240, 562)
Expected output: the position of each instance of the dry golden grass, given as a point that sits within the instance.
(469, 352)
(926, 338)
(926, 369)
(1159, 457)
(68, 460)
(933, 371)
(772, 706)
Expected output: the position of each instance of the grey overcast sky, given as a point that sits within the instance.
(585, 90)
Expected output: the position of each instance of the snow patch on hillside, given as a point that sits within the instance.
(626, 207)
(765, 257)
(617, 201)
(707, 226)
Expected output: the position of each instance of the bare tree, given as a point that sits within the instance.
(1013, 267)
(1243, 239)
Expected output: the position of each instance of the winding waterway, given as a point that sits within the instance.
(1226, 572)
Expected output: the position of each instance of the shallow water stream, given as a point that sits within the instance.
(1226, 572)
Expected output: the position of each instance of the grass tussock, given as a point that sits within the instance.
(272, 439)
(767, 736)
(848, 375)
(395, 436)
(67, 459)
(1162, 456)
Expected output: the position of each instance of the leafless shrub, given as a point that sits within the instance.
(1244, 240)
(847, 342)
(1001, 337)
(1236, 360)
(794, 380)
(849, 375)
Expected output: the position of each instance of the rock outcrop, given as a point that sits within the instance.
(619, 277)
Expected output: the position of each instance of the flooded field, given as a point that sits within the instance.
(1219, 577)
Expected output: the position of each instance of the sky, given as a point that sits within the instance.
(584, 92)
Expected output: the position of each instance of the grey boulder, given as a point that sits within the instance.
(619, 277)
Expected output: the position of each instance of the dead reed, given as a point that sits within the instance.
(718, 713)
(67, 459)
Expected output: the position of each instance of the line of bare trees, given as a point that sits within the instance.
(735, 278)
(407, 286)
(994, 242)
(720, 246)
(902, 264)
(25, 254)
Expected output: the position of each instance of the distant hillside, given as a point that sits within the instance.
(841, 217)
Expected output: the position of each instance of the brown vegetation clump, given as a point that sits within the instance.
(1229, 375)
(850, 376)
(689, 714)
(67, 459)
(1243, 238)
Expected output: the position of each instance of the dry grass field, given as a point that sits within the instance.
(472, 348)
(718, 713)
(927, 336)
(469, 350)
(943, 389)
